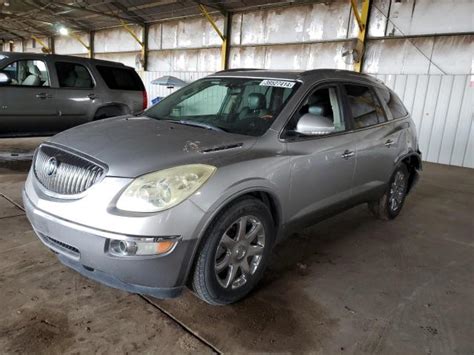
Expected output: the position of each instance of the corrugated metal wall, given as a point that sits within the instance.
(442, 108)
(423, 48)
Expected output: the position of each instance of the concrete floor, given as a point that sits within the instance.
(351, 284)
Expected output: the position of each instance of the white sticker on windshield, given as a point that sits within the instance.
(278, 83)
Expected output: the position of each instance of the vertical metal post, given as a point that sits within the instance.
(91, 44)
(362, 20)
(51, 44)
(224, 36)
(144, 50)
(225, 47)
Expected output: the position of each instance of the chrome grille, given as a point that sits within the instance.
(65, 173)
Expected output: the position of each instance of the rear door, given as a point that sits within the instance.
(75, 97)
(26, 104)
(122, 85)
(322, 167)
(379, 141)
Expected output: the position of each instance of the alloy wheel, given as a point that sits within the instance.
(397, 191)
(239, 252)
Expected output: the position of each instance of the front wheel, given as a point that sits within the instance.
(390, 204)
(234, 253)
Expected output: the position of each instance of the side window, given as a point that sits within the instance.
(204, 103)
(73, 75)
(323, 103)
(27, 73)
(365, 108)
(394, 103)
(118, 78)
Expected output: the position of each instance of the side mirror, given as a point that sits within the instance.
(4, 79)
(313, 125)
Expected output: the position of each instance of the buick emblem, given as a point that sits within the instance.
(52, 166)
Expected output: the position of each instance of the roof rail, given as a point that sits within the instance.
(237, 69)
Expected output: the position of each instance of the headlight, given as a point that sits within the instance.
(164, 189)
(140, 247)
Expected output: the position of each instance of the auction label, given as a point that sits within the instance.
(278, 83)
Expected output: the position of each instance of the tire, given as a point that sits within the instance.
(225, 252)
(390, 204)
(108, 111)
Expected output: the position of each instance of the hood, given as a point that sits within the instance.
(132, 146)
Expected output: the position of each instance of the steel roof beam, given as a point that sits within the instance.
(99, 13)
(128, 12)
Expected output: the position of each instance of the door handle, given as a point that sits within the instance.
(347, 154)
(389, 143)
(43, 96)
(91, 96)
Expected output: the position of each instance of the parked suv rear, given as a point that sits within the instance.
(45, 94)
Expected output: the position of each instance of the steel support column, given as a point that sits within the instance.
(144, 51)
(79, 39)
(223, 35)
(91, 44)
(141, 42)
(45, 48)
(362, 18)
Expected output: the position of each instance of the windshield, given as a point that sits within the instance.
(236, 105)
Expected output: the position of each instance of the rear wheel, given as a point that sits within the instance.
(390, 204)
(235, 252)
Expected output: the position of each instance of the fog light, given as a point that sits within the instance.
(144, 246)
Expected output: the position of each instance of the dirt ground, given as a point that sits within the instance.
(351, 284)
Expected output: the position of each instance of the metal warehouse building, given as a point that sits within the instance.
(421, 49)
(237, 176)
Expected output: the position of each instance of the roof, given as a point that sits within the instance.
(43, 17)
(21, 55)
(310, 75)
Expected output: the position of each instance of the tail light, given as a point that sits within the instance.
(145, 99)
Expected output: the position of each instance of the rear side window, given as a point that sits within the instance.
(366, 109)
(120, 78)
(73, 75)
(394, 103)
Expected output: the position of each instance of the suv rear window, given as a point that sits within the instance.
(121, 78)
(365, 108)
(394, 103)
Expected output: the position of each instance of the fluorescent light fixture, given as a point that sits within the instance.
(63, 31)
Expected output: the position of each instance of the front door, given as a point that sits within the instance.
(26, 104)
(378, 142)
(322, 167)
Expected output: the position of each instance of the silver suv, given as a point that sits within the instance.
(198, 189)
(44, 94)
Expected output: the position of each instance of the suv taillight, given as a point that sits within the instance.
(145, 99)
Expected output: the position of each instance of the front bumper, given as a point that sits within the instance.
(84, 249)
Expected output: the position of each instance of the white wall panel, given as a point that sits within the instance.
(69, 45)
(128, 59)
(416, 17)
(442, 109)
(154, 36)
(299, 23)
(191, 33)
(117, 40)
(292, 57)
(185, 60)
(428, 55)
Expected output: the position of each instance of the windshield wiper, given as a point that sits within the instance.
(198, 124)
